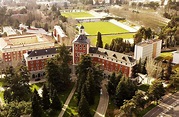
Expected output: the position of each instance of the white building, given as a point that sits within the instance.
(176, 57)
(59, 34)
(149, 49)
(9, 31)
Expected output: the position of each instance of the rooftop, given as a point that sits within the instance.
(9, 31)
(60, 31)
(147, 42)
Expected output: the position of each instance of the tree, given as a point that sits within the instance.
(36, 107)
(56, 104)
(169, 70)
(17, 80)
(128, 107)
(156, 90)
(106, 46)
(134, 71)
(139, 100)
(46, 27)
(111, 84)
(99, 42)
(45, 98)
(82, 71)
(83, 108)
(143, 69)
(90, 88)
(124, 91)
(15, 109)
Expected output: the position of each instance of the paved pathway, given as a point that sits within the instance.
(103, 103)
(168, 104)
(67, 101)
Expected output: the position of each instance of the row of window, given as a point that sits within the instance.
(42, 57)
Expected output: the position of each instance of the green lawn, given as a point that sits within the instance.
(64, 95)
(72, 107)
(93, 28)
(36, 86)
(76, 14)
(108, 38)
(166, 54)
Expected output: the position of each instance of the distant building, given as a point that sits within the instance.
(149, 49)
(12, 48)
(59, 34)
(32, 30)
(9, 31)
(176, 57)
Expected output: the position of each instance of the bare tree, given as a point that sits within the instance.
(153, 68)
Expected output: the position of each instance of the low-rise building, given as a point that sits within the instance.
(9, 31)
(147, 49)
(59, 34)
(176, 57)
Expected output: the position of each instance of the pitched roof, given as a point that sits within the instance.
(42, 52)
(81, 39)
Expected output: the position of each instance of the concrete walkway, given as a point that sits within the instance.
(67, 101)
(103, 103)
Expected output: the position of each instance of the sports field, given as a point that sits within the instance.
(108, 38)
(92, 28)
(77, 14)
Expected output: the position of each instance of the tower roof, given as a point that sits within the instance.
(81, 39)
(82, 27)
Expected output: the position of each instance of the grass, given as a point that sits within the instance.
(36, 86)
(166, 55)
(109, 38)
(143, 112)
(143, 87)
(72, 107)
(64, 95)
(92, 28)
(77, 14)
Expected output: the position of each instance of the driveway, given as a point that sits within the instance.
(103, 102)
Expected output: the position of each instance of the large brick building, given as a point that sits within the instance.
(12, 48)
(108, 60)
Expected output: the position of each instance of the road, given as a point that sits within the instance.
(168, 104)
(103, 102)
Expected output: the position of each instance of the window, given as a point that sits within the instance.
(36, 57)
(99, 55)
(80, 48)
(91, 54)
(52, 55)
(31, 62)
(31, 58)
(37, 61)
(47, 56)
(42, 56)
(84, 46)
(98, 59)
(76, 45)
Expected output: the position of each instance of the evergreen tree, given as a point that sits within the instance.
(107, 46)
(134, 71)
(99, 42)
(46, 27)
(90, 88)
(139, 66)
(36, 108)
(45, 98)
(83, 108)
(169, 70)
(111, 84)
(56, 103)
(124, 91)
(143, 69)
